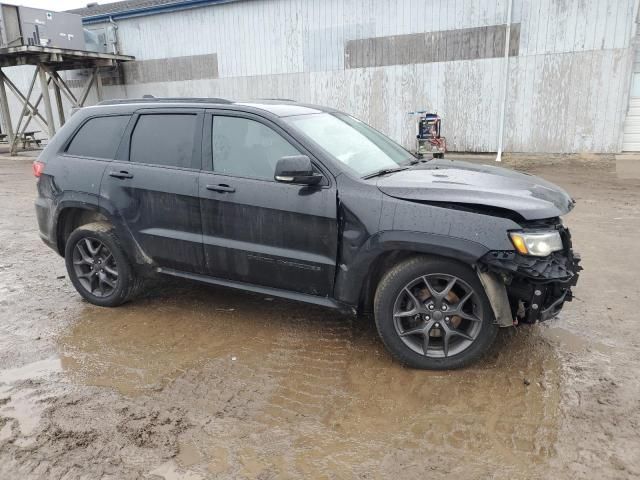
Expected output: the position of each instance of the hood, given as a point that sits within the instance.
(464, 183)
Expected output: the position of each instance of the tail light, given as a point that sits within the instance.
(38, 168)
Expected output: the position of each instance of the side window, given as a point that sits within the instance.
(99, 137)
(247, 148)
(164, 139)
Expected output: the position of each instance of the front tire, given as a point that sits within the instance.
(98, 267)
(433, 313)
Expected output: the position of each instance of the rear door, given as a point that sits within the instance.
(85, 156)
(152, 186)
(255, 229)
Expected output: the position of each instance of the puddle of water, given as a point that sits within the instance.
(42, 368)
(188, 455)
(572, 342)
(217, 459)
(171, 471)
(25, 407)
(483, 410)
(336, 401)
(143, 346)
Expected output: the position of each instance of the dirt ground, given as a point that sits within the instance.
(195, 382)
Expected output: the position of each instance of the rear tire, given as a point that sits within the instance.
(98, 267)
(433, 313)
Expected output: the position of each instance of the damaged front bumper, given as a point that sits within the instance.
(537, 287)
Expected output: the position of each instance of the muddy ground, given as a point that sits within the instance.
(200, 382)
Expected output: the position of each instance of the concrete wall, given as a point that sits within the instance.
(569, 68)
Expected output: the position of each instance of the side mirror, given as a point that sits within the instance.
(296, 169)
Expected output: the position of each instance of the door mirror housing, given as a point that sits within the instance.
(296, 169)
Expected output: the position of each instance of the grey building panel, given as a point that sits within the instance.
(194, 67)
(441, 46)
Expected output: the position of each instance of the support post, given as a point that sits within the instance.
(57, 79)
(98, 84)
(505, 76)
(32, 108)
(36, 115)
(59, 107)
(86, 89)
(44, 86)
(4, 110)
(23, 113)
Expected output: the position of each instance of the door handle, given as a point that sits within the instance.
(121, 174)
(221, 188)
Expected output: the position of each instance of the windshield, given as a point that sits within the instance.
(352, 142)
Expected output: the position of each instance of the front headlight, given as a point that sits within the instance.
(539, 244)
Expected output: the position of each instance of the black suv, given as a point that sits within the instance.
(306, 203)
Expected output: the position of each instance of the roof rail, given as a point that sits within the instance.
(150, 99)
(279, 99)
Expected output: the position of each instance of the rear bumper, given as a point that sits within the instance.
(49, 243)
(45, 216)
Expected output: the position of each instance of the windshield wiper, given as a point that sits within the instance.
(384, 171)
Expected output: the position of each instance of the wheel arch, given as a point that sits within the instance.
(71, 215)
(357, 280)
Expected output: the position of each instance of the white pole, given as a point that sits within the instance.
(506, 79)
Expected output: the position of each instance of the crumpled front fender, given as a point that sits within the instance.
(497, 294)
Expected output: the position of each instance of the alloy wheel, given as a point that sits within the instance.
(437, 315)
(95, 267)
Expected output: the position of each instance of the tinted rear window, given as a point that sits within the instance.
(99, 137)
(164, 139)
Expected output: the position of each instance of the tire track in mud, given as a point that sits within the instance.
(309, 389)
(338, 407)
(286, 437)
(312, 379)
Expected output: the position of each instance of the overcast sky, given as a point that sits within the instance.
(56, 5)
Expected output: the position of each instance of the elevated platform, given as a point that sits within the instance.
(48, 61)
(58, 58)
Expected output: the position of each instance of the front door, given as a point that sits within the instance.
(153, 186)
(256, 230)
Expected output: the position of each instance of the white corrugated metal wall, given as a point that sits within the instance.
(631, 133)
(568, 84)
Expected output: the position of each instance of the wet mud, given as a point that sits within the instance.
(195, 382)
